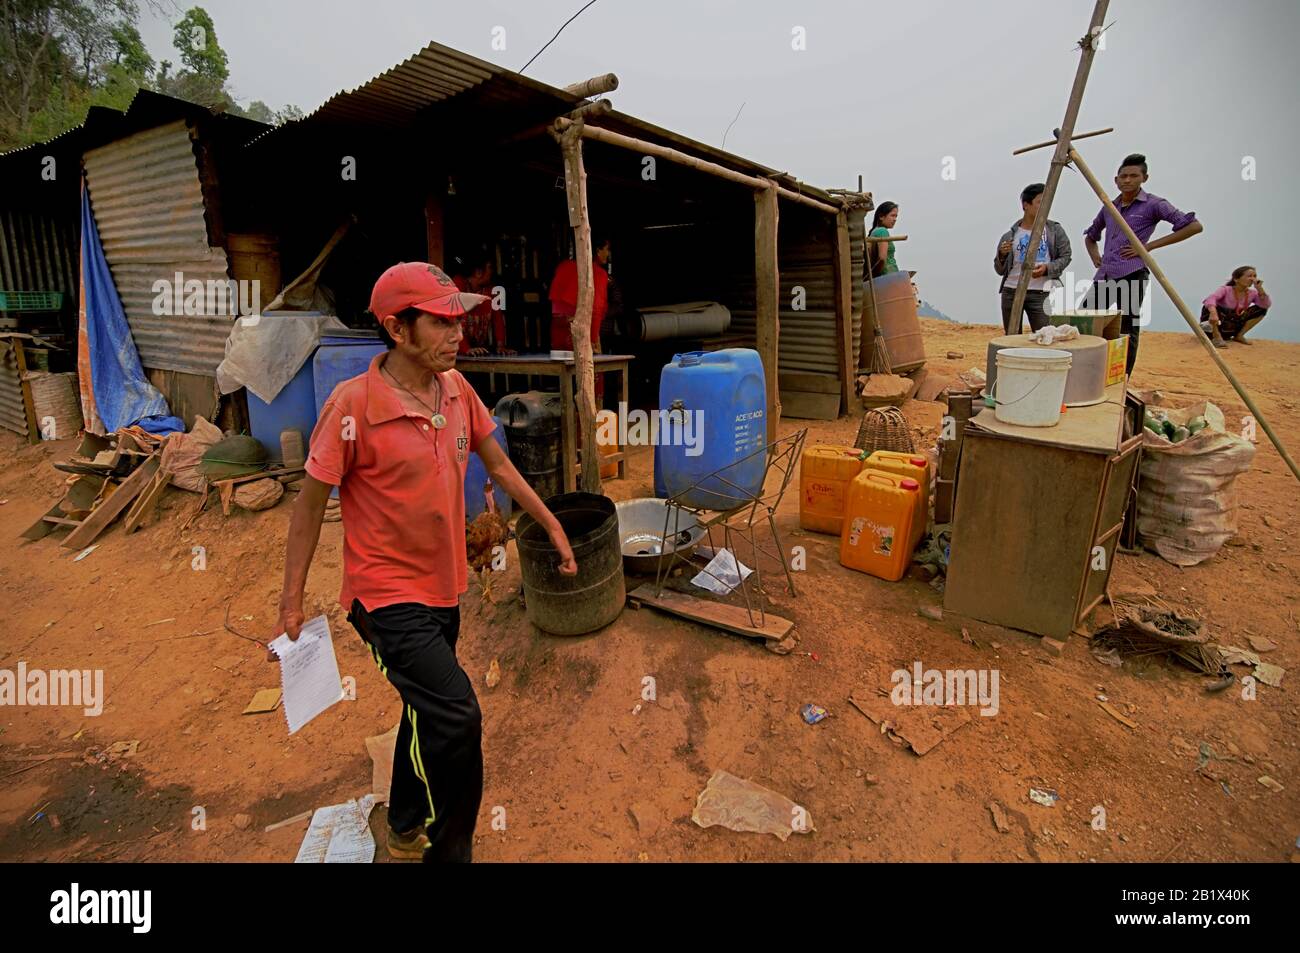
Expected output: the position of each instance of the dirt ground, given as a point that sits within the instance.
(580, 775)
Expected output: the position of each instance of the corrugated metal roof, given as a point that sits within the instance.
(148, 204)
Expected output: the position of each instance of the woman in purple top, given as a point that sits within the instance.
(1236, 307)
(1121, 275)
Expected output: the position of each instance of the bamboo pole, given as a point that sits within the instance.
(1192, 322)
(1074, 138)
(575, 182)
(605, 83)
(1063, 137)
(702, 165)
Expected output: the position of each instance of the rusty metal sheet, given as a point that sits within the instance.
(149, 207)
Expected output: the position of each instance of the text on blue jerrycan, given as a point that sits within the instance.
(712, 415)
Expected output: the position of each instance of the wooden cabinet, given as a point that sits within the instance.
(1038, 517)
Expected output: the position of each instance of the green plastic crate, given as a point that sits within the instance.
(31, 300)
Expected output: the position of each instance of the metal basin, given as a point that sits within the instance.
(641, 533)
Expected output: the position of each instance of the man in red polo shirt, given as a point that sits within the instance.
(564, 297)
(395, 441)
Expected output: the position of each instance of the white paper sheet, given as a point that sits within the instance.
(309, 672)
(725, 575)
(339, 834)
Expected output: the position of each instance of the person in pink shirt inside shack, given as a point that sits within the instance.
(1235, 307)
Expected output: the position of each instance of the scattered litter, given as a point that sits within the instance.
(1045, 797)
(266, 699)
(150, 625)
(930, 612)
(966, 637)
(1235, 655)
(339, 834)
(721, 575)
(999, 817)
(1269, 674)
(922, 727)
(493, 677)
(381, 748)
(1271, 784)
(1102, 698)
(121, 749)
(1261, 644)
(84, 553)
(955, 355)
(813, 713)
(1107, 656)
(637, 709)
(305, 815)
(741, 805)
(1111, 710)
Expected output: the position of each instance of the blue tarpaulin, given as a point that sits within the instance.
(123, 395)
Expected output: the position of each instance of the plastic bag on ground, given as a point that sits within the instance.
(741, 805)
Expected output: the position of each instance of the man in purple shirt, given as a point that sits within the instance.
(1121, 276)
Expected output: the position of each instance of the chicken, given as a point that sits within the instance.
(487, 531)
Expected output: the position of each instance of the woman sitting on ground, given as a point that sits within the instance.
(1236, 307)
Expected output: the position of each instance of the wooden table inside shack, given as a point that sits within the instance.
(1038, 516)
(543, 365)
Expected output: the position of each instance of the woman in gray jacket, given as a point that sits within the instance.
(1051, 260)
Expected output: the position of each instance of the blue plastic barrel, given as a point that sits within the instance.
(342, 355)
(476, 476)
(715, 405)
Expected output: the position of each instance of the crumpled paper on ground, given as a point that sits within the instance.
(741, 805)
(264, 352)
(725, 575)
(339, 834)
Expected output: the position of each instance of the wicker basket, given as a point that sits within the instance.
(56, 404)
(884, 428)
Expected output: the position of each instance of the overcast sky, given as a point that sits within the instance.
(888, 90)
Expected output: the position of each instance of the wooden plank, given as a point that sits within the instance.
(1016, 560)
(1097, 428)
(767, 291)
(716, 614)
(844, 310)
(142, 509)
(804, 405)
(806, 381)
(33, 431)
(106, 512)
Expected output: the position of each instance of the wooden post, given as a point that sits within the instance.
(1058, 157)
(844, 309)
(1192, 322)
(575, 184)
(767, 292)
(433, 224)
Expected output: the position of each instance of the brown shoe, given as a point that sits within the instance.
(408, 846)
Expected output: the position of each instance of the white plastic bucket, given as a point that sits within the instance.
(1030, 385)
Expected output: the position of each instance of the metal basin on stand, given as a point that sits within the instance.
(641, 533)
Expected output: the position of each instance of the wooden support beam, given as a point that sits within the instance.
(433, 223)
(1192, 321)
(700, 165)
(604, 83)
(844, 309)
(575, 184)
(1087, 46)
(767, 292)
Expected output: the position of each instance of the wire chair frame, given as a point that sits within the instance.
(742, 519)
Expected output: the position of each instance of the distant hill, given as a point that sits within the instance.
(928, 310)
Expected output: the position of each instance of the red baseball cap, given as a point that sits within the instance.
(418, 284)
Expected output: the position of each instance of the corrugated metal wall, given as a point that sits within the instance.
(13, 411)
(807, 337)
(148, 204)
(38, 253)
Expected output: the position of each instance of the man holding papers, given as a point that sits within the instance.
(396, 441)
